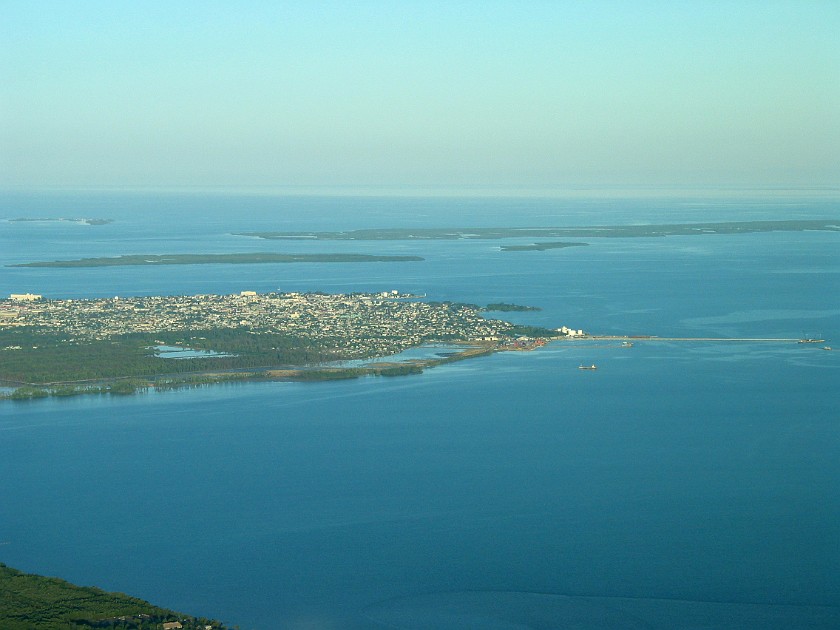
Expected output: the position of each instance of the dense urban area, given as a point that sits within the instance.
(361, 324)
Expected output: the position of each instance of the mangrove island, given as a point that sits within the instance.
(224, 259)
(599, 231)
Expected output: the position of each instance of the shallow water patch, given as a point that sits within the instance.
(179, 352)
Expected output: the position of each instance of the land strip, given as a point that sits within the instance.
(603, 231)
(82, 221)
(208, 259)
(540, 247)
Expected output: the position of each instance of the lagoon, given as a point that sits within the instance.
(179, 352)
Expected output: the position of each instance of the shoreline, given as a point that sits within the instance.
(377, 366)
(126, 385)
(120, 345)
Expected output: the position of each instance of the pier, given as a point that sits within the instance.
(653, 338)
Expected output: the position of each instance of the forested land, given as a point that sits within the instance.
(36, 357)
(33, 602)
(36, 362)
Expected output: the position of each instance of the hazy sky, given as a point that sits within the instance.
(419, 93)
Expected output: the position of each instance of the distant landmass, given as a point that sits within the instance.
(33, 602)
(210, 259)
(540, 247)
(613, 231)
(62, 219)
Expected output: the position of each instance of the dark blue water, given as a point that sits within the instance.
(681, 483)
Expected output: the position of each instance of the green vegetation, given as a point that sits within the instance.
(503, 307)
(207, 259)
(117, 346)
(121, 386)
(614, 231)
(336, 374)
(28, 393)
(47, 357)
(32, 602)
(51, 366)
(531, 331)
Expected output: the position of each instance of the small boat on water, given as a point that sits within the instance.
(588, 367)
(810, 340)
(626, 344)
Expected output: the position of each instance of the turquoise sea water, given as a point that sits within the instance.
(681, 483)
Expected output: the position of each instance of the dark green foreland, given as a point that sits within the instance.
(33, 602)
(207, 259)
(614, 231)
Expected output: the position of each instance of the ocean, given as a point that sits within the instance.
(682, 484)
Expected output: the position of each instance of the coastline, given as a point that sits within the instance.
(125, 385)
(124, 345)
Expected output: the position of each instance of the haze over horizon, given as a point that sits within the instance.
(431, 95)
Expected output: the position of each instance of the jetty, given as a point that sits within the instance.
(655, 338)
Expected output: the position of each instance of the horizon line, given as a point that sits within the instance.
(364, 190)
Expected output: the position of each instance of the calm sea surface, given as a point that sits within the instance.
(681, 483)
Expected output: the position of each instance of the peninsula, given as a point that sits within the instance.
(119, 345)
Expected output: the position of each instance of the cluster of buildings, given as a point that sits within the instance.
(570, 332)
(25, 297)
(358, 323)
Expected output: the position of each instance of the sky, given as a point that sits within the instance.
(426, 94)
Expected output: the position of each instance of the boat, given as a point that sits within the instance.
(588, 367)
(626, 344)
(810, 340)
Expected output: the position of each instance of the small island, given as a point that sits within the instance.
(80, 221)
(216, 259)
(33, 602)
(123, 345)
